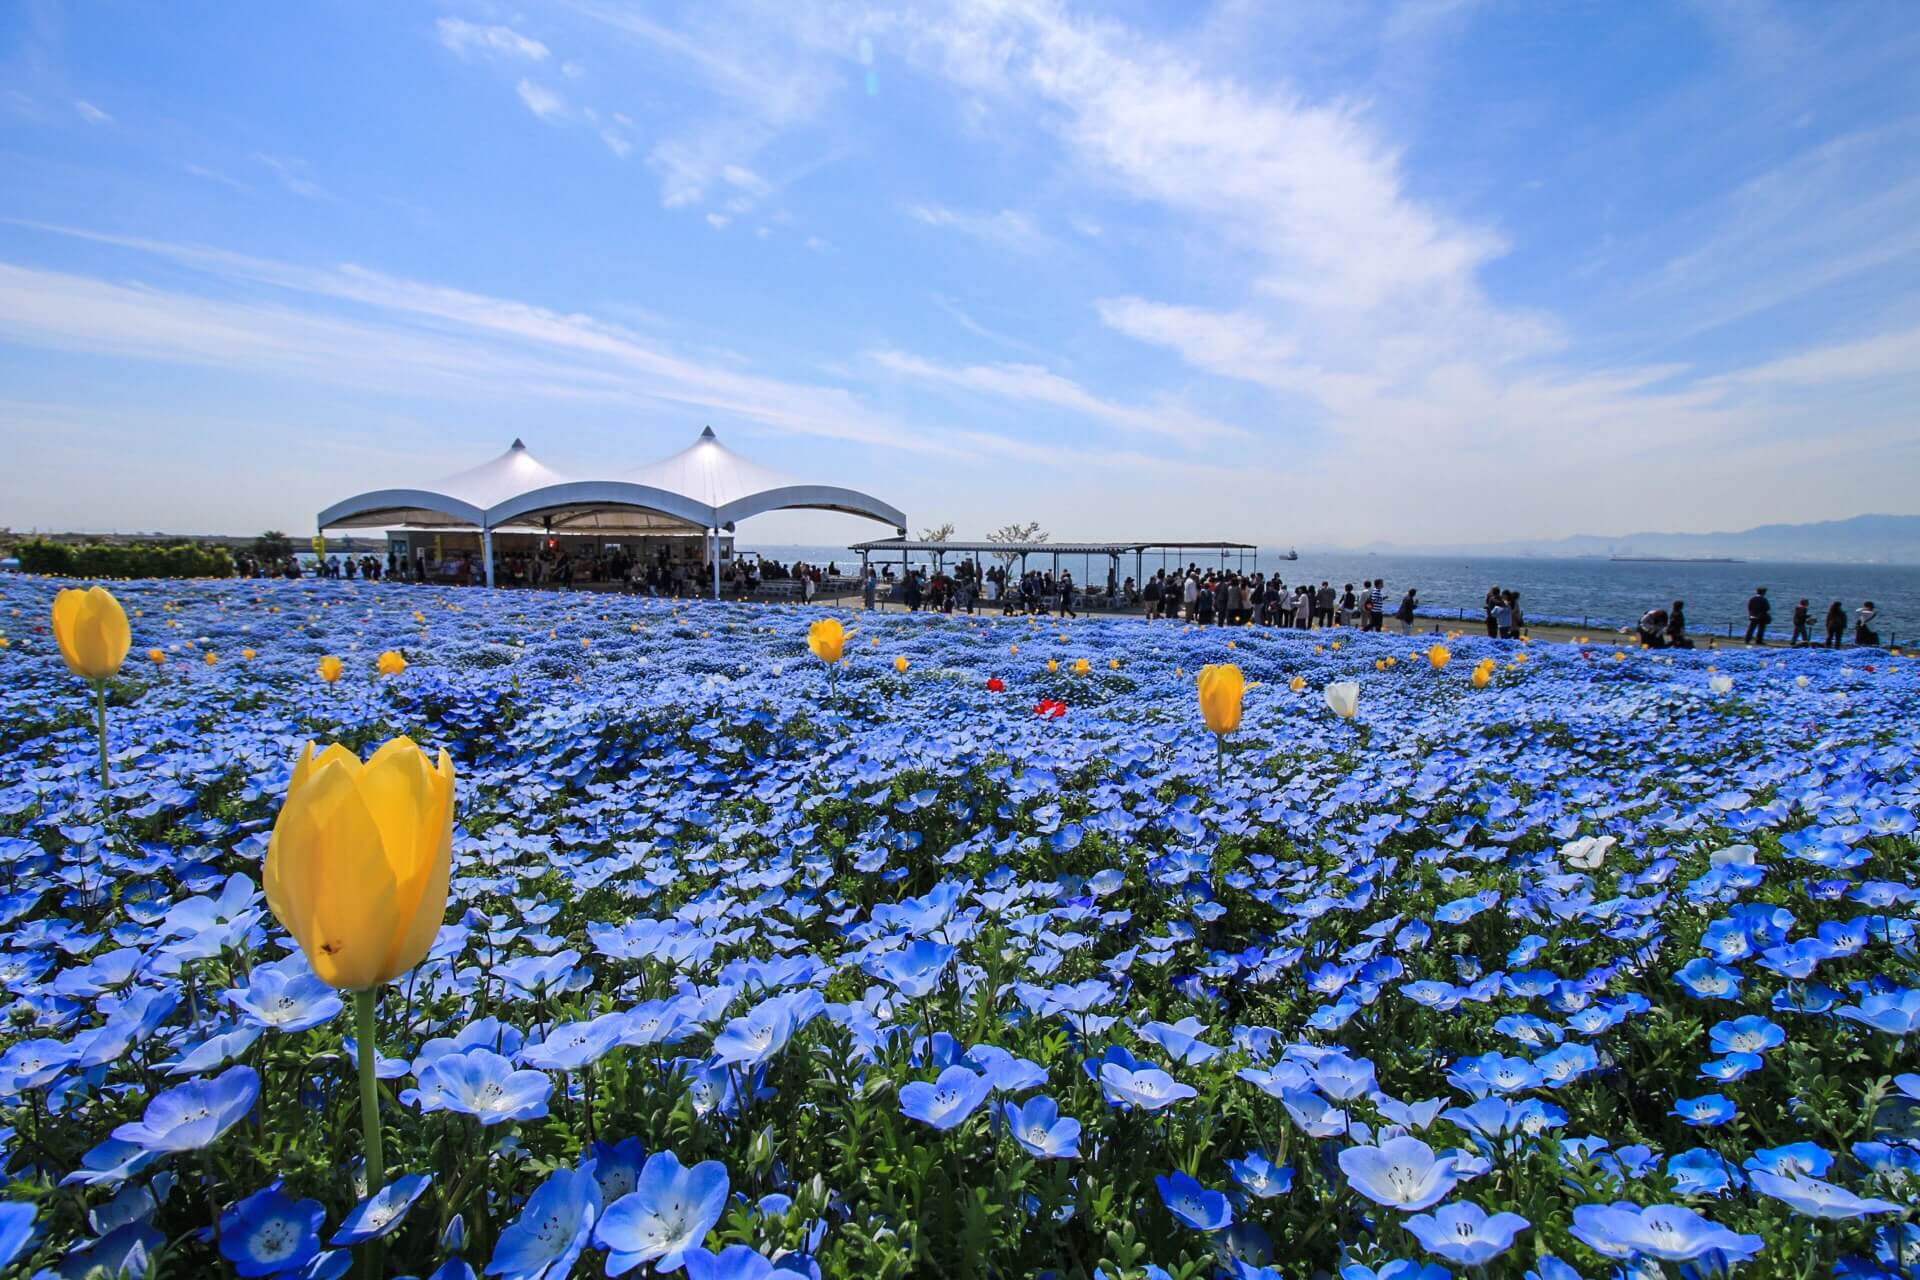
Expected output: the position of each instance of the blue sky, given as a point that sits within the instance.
(1287, 272)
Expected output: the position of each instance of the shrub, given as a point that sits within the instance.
(129, 560)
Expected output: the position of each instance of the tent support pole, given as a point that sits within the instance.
(486, 552)
(716, 564)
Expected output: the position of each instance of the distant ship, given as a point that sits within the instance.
(1291, 554)
(1678, 559)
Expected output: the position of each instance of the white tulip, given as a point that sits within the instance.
(1343, 698)
(1800, 681)
(1720, 684)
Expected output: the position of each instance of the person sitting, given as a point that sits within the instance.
(1863, 632)
(1653, 628)
(1677, 626)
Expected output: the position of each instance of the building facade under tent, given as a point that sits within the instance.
(678, 513)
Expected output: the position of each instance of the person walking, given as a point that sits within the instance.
(1405, 614)
(1836, 624)
(1802, 625)
(1066, 594)
(1759, 614)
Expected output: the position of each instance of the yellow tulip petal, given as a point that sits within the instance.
(338, 887)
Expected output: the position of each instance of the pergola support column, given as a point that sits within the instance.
(486, 552)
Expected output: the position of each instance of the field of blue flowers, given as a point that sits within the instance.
(980, 961)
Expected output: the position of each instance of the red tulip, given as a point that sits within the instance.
(996, 685)
(1048, 709)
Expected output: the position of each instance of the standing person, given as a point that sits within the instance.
(1493, 602)
(1516, 621)
(1802, 625)
(1759, 614)
(1406, 611)
(1377, 605)
(1836, 624)
(1863, 632)
(1323, 605)
(1677, 626)
(1503, 619)
(1348, 605)
(1066, 595)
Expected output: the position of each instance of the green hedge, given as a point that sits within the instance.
(134, 560)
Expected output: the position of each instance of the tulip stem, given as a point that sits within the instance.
(363, 1006)
(100, 707)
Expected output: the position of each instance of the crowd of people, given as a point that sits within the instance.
(1667, 628)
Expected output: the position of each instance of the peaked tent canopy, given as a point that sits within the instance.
(705, 487)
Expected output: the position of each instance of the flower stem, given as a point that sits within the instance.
(363, 1006)
(100, 707)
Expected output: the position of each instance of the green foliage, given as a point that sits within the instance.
(131, 560)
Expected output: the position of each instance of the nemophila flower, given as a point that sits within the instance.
(1796, 1159)
(270, 1233)
(948, 1100)
(616, 1167)
(1181, 1040)
(1563, 1066)
(1259, 1177)
(1897, 1014)
(1812, 1198)
(916, 969)
(572, 1046)
(553, 1227)
(16, 1229)
(669, 1212)
(1670, 1233)
(382, 1211)
(34, 1064)
(482, 1084)
(1705, 1111)
(1193, 1205)
(1401, 1173)
(1702, 979)
(195, 1114)
(1316, 1117)
(1041, 1130)
(1148, 1088)
(735, 1262)
(1465, 1234)
(285, 996)
(1342, 1078)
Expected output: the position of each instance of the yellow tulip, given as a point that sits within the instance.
(900, 664)
(1113, 664)
(1081, 666)
(357, 865)
(330, 668)
(1439, 656)
(390, 663)
(248, 654)
(1297, 683)
(1222, 687)
(1481, 677)
(210, 659)
(156, 656)
(91, 629)
(1053, 665)
(828, 639)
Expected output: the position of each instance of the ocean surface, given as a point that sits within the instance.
(1599, 593)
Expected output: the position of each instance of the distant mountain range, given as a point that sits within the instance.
(1869, 539)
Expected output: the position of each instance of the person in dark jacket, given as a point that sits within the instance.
(1493, 602)
(1677, 626)
(1759, 614)
(1653, 628)
(1836, 624)
(1802, 625)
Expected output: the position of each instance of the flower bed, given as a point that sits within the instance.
(1551, 960)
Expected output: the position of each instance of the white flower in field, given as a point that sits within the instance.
(1720, 684)
(777, 669)
(1588, 852)
(1343, 698)
(1800, 682)
(1735, 855)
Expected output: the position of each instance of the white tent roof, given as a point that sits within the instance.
(705, 486)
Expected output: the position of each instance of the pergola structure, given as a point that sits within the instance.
(705, 489)
(904, 546)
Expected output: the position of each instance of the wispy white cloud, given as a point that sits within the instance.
(292, 175)
(1035, 384)
(474, 39)
(1007, 229)
(1885, 355)
(90, 113)
(540, 100)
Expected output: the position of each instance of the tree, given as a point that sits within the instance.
(1015, 533)
(273, 547)
(940, 533)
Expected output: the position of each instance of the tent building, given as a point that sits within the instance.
(680, 510)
